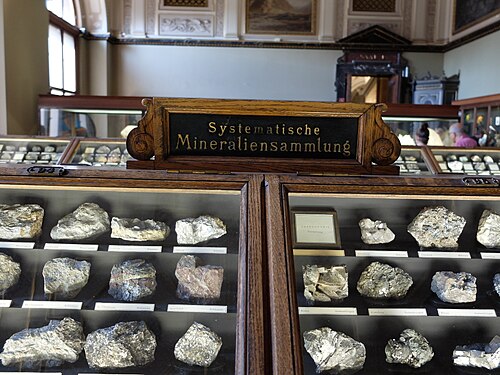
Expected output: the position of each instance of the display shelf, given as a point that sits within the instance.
(412, 161)
(98, 153)
(32, 150)
(477, 161)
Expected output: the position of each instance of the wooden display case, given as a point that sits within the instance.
(481, 115)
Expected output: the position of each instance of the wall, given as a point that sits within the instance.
(423, 63)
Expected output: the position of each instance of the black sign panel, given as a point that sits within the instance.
(262, 136)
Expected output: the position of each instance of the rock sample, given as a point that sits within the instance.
(20, 221)
(125, 344)
(478, 355)
(49, 346)
(375, 232)
(87, 221)
(138, 230)
(198, 346)
(410, 349)
(334, 351)
(191, 231)
(496, 283)
(65, 277)
(454, 287)
(488, 230)
(9, 272)
(437, 227)
(132, 280)
(380, 280)
(324, 284)
(196, 281)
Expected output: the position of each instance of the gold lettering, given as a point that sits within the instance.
(284, 147)
(211, 127)
(222, 144)
(347, 148)
(232, 146)
(299, 130)
(263, 146)
(336, 147)
(309, 147)
(290, 130)
(213, 145)
(259, 130)
(307, 130)
(274, 146)
(248, 129)
(295, 147)
(316, 131)
(222, 130)
(202, 145)
(327, 147)
(183, 141)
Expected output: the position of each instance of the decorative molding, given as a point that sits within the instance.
(185, 3)
(383, 6)
(150, 17)
(127, 17)
(339, 30)
(355, 26)
(431, 16)
(407, 11)
(177, 25)
(219, 17)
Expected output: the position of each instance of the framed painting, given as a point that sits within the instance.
(470, 12)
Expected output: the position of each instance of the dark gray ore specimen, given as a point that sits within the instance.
(334, 351)
(496, 283)
(65, 277)
(324, 284)
(138, 230)
(488, 229)
(380, 280)
(191, 231)
(58, 342)
(20, 221)
(132, 280)
(9, 272)
(198, 346)
(126, 344)
(410, 349)
(198, 282)
(454, 287)
(479, 355)
(87, 221)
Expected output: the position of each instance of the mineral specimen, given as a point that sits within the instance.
(198, 346)
(87, 221)
(191, 231)
(324, 284)
(138, 230)
(65, 277)
(375, 232)
(410, 349)
(437, 227)
(479, 355)
(488, 230)
(334, 351)
(380, 280)
(124, 344)
(58, 342)
(496, 283)
(454, 287)
(132, 280)
(19, 221)
(198, 282)
(9, 272)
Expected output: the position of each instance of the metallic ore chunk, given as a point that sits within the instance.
(410, 349)
(488, 230)
(375, 232)
(334, 351)
(380, 280)
(125, 344)
(132, 280)
(20, 221)
(87, 221)
(454, 287)
(9, 272)
(65, 277)
(50, 346)
(324, 284)
(496, 283)
(138, 230)
(198, 346)
(478, 355)
(204, 282)
(437, 227)
(191, 231)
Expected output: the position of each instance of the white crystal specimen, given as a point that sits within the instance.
(375, 232)
(488, 230)
(191, 231)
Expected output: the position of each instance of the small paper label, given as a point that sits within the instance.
(444, 254)
(397, 312)
(485, 313)
(197, 308)
(70, 246)
(199, 250)
(52, 305)
(5, 302)
(135, 248)
(16, 245)
(328, 311)
(111, 306)
(382, 253)
(490, 255)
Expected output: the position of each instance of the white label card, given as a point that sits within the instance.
(490, 255)
(5, 302)
(444, 254)
(328, 311)
(111, 306)
(199, 250)
(135, 248)
(197, 308)
(485, 313)
(397, 312)
(382, 253)
(16, 245)
(52, 305)
(70, 246)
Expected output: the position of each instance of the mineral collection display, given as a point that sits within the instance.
(50, 346)
(334, 351)
(410, 349)
(375, 232)
(87, 221)
(198, 282)
(380, 280)
(488, 230)
(479, 355)
(454, 287)
(324, 284)
(198, 346)
(138, 230)
(125, 344)
(9, 272)
(191, 231)
(496, 283)
(65, 277)
(437, 227)
(20, 221)
(132, 280)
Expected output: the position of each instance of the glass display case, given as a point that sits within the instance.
(98, 152)
(478, 161)
(32, 150)
(412, 161)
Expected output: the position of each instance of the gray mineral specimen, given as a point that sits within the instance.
(87, 221)
(380, 280)
(203, 282)
(454, 287)
(126, 344)
(9, 272)
(496, 283)
(324, 284)
(334, 351)
(488, 230)
(410, 349)
(50, 346)
(198, 346)
(138, 230)
(132, 280)
(478, 355)
(191, 231)
(375, 232)
(65, 277)
(20, 221)
(437, 227)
